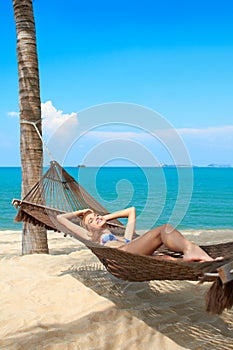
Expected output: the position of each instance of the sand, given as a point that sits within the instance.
(67, 300)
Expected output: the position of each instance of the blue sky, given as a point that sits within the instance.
(173, 57)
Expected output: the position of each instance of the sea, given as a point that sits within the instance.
(199, 198)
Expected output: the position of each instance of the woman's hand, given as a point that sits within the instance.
(74, 214)
(129, 213)
(84, 211)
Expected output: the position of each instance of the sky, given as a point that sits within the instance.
(167, 61)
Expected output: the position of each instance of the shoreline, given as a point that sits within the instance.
(201, 236)
(183, 230)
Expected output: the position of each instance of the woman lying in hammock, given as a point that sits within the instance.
(94, 228)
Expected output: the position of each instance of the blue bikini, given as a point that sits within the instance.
(106, 237)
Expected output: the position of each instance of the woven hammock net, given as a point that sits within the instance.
(58, 192)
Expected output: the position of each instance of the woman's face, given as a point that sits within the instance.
(94, 220)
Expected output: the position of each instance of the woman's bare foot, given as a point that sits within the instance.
(195, 253)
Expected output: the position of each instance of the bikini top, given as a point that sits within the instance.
(106, 237)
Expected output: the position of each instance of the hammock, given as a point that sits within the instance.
(58, 192)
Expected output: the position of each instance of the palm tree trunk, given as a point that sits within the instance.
(34, 239)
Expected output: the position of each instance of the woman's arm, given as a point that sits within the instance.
(64, 219)
(74, 214)
(129, 213)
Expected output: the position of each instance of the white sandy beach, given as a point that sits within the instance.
(66, 300)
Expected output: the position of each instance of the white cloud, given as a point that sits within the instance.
(204, 145)
(215, 138)
(13, 114)
(109, 135)
(217, 131)
(165, 133)
(54, 118)
(210, 144)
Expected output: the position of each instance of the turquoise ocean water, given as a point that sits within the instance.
(159, 194)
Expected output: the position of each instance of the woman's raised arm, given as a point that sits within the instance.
(64, 219)
(129, 213)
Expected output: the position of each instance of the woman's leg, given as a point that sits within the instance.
(171, 238)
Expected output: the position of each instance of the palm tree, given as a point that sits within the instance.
(34, 239)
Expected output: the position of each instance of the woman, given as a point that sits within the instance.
(95, 229)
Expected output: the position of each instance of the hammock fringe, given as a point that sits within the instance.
(219, 297)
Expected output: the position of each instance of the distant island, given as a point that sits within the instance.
(176, 165)
(164, 165)
(219, 165)
(212, 165)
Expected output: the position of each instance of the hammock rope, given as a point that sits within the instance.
(39, 134)
(58, 192)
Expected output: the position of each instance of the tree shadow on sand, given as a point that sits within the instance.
(174, 308)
